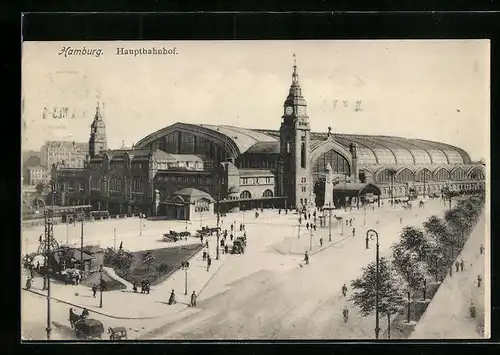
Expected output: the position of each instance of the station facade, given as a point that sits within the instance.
(241, 168)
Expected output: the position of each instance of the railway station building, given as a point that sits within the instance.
(183, 169)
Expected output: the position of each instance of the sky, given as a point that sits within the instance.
(437, 90)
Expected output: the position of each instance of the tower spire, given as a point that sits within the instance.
(98, 111)
(295, 75)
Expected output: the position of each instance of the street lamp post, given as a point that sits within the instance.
(101, 286)
(82, 266)
(370, 233)
(141, 216)
(67, 242)
(329, 221)
(185, 267)
(49, 233)
(310, 239)
(218, 229)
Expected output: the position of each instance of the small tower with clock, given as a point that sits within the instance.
(294, 146)
(97, 141)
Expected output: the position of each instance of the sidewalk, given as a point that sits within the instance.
(125, 304)
(447, 316)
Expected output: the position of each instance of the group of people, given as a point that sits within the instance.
(145, 286)
(192, 303)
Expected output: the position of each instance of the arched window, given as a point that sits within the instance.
(385, 176)
(246, 194)
(405, 175)
(338, 163)
(267, 193)
(458, 174)
(476, 174)
(424, 175)
(442, 175)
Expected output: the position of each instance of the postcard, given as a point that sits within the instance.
(255, 190)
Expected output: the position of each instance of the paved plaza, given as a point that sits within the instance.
(265, 293)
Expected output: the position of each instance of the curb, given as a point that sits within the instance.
(319, 250)
(210, 279)
(101, 313)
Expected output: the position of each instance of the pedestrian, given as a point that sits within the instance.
(279, 211)
(350, 222)
(306, 258)
(309, 216)
(461, 264)
(94, 289)
(231, 237)
(481, 249)
(143, 287)
(206, 243)
(193, 299)
(286, 210)
(346, 222)
(300, 220)
(479, 279)
(243, 226)
(457, 265)
(201, 238)
(314, 227)
(353, 232)
(209, 262)
(121, 246)
(134, 286)
(320, 242)
(77, 278)
(147, 286)
(232, 227)
(345, 313)
(226, 249)
(366, 241)
(344, 290)
(204, 255)
(307, 225)
(38, 266)
(40, 239)
(172, 300)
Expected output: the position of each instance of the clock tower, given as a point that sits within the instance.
(294, 146)
(97, 141)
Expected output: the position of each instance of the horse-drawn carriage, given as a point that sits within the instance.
(173, 236)
(117, 333)
(84, 327)
(89, 329)
(207, 230)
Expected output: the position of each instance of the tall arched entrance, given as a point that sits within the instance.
(340, 171)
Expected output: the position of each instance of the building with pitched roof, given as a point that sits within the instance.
(246, 168)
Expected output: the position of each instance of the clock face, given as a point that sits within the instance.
(289, 110)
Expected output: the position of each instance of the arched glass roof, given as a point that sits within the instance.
(372, 150)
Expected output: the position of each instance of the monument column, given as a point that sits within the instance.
(329, 187)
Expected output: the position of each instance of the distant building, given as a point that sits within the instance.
(33, 175)
(64, 153)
